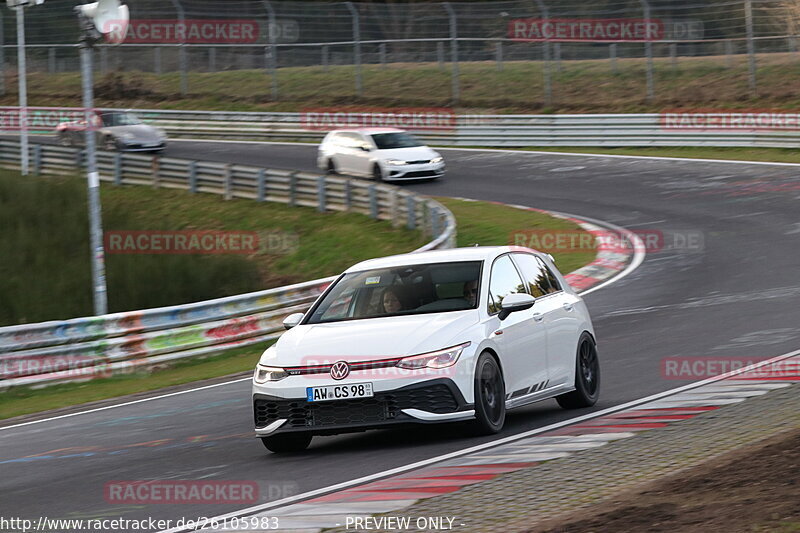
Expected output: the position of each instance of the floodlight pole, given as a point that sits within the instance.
(95, 214)
(23, 89)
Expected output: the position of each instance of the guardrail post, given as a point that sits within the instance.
(373, 201)
(394, 210)
(228, 181)
(37, 159)
(292, 189)
(455, 74)
(356, 47)
(751, 50)
(434, 211)
(261, 180)
(118, 168)
(411, 215)
(498, 54)
(156, 167)
(321, 183)
(612, 55)
(348, 195)
(79, 158)
(193, 177)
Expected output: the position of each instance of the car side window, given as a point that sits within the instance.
(504, 280)
(535, 273)
(555, 286)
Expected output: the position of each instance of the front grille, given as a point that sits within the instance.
(421, 174)
(384, 406)
(420, 162)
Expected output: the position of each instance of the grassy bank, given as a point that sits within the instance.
(45, 273)
(585, 86)
(478, 222)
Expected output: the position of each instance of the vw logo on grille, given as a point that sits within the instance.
(340, 370)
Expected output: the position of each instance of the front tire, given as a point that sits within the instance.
(332, 168)
(490, 396)
(377, 174)
(287, 442)
(587, 377)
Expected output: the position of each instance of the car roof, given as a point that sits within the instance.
(452, 255)
(369, 130)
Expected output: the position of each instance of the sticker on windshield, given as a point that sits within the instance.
(373, 280)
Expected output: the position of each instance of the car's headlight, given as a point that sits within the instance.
(264, 374)
(395, 162)
(437, 159)
(437, 359)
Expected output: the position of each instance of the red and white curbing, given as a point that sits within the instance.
(485, 462)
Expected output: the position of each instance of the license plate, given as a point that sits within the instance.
(339, 392)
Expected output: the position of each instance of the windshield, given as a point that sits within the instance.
(405, 290)
(387, 141)
(120, 119)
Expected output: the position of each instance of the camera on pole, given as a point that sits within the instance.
(106, 19)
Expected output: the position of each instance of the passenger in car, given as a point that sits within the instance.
(391, 300)
(471, 292)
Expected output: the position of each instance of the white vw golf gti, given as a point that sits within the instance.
(440, 336)
(385, 154)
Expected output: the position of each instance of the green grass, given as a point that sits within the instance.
(478, 222)
(492, 225)
(45, 272)
(585, 86)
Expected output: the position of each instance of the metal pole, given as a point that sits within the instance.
(440, 54)
(648, 50)
(95, 217)
(612, 54)
(382, 54)
(356, 47)
(2, 57)
(23, 90)
(454, 52)
(557, 54)
(498, 51)
(548, 79)
(751, 52)
(272, 30)
(182, 49)
(673, 54)
(729, 53)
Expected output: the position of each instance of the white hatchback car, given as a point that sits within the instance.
(440, 336)
(381, 153)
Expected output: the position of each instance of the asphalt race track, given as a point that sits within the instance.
(736, 297)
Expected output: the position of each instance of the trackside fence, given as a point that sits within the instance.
(84, 348)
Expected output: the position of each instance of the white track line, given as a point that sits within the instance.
(399, 470)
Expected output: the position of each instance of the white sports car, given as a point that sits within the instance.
(461, 334)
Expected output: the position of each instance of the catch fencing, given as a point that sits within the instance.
(83, 348)
(272, 35)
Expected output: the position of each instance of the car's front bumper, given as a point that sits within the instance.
(435, 400)
(413, 172)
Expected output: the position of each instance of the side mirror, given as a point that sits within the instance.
(366, 148)
(515, 302)
(292, 320)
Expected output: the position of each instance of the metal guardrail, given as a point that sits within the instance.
(482, 130)
(82, 348)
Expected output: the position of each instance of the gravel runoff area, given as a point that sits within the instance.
(730, 466)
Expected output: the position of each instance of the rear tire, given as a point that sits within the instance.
(110, 144)
(490, 396)
(587, 377)
(287, 443)
(64, 139)
(332, 168)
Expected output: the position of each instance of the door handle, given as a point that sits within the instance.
(538, 317)
(568, 306)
